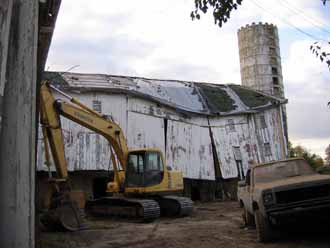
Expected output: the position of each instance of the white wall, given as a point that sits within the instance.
(186, 143)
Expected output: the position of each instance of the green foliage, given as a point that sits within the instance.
(221, 9)
(299, 151)
(320, 53)
(327, 155)
(55, 78)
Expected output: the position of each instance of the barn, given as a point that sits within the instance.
(210, 132)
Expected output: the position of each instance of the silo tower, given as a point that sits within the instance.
(260, 60)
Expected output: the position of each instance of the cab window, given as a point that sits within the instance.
(154, 162)
(135, 163)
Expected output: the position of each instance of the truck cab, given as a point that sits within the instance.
(276, 192)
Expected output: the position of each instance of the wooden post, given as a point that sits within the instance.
(18, 60)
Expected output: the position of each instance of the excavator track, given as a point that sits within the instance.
(144, 210)
(175, 206)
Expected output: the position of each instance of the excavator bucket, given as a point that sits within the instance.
(64, 216)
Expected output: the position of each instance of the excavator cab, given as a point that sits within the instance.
(144, 168)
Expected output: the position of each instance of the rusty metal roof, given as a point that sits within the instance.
(186, 96)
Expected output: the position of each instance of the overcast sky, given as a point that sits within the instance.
(157, 39)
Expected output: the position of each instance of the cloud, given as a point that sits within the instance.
(159, 40)
(306, 82)
(143, 41)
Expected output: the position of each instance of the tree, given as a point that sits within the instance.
(320, 53)
(299, 151)
(221, 9)
(327, 155)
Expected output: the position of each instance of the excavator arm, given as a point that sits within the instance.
(51, 110)
(64, 212)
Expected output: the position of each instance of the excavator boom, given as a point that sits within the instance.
(64, 212)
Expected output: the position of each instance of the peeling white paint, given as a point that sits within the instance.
(189, 150)
(145, 132)
(188, 142)
(250, 136)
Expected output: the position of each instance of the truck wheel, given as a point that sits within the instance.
(264, 230)
(247, 218)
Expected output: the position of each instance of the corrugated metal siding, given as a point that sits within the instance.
(189, 150)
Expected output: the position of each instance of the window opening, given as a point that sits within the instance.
(274, 71)
(239, 164)
(97, 106)
(262, 122)
(268, 151)
(231, 125)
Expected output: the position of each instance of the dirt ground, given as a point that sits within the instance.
(216, 224)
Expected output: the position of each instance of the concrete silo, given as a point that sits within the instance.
(260, 59)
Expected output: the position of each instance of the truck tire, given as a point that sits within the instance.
(247, 217)
(264, 230)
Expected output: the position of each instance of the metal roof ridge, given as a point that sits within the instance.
(137, 77)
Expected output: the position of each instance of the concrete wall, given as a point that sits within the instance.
(18, 60)
(260, 58)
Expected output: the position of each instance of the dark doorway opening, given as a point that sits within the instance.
(195, 194)
(100, 187)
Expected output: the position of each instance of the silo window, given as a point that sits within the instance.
(271, 41)
(270, 31)
(274, 71)
(272, 51)
(97, 106)
(275, 81)
(273, 60)
(276, 90)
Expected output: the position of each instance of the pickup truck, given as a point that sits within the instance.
(273, 193)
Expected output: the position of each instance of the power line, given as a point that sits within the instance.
(309, 19)
(287, 22)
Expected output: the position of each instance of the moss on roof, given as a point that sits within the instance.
(249, 97)
(55, 78)
(217, 99)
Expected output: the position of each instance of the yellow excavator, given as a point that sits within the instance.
(143, 186)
